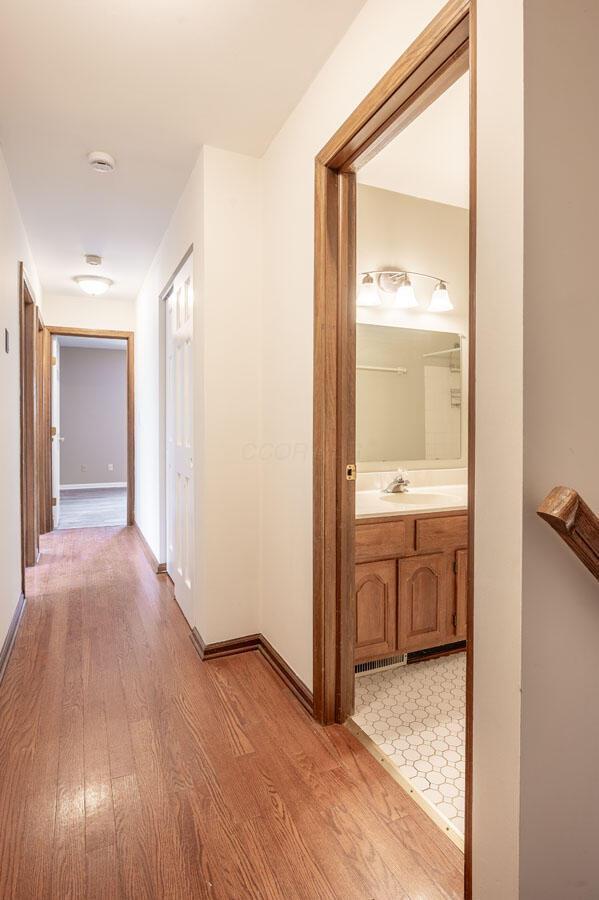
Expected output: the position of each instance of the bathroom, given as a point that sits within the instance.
(411, 506)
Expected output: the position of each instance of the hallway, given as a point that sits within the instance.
(133, 769)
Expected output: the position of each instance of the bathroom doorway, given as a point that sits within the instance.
(393, 423)
(91, 375)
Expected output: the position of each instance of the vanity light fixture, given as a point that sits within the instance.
(405, 298)
(95, 285)
(440, 301)
(397, 282)
(368, 295)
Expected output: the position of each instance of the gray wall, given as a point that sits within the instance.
(559, 824)
(93, 415)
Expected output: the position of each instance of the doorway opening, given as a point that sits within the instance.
(91, 424)
(394, 422)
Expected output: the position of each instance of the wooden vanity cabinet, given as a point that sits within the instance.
(411, 584)
(376, 609)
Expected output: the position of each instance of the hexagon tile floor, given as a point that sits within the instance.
(416, 715)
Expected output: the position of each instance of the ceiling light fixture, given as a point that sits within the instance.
(368, 294)
(95, 285)
(398, 283)
(92, 259)
(101, 162)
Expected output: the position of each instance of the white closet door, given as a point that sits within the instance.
(179, 437)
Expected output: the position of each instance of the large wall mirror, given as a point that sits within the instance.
(408, 395)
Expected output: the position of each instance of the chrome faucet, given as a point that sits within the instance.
(399, 485)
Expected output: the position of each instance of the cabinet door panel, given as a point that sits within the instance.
(376, 609)
(425, 595)
(461, 605)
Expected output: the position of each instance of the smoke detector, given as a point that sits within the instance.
(92, 259)
(101, 162)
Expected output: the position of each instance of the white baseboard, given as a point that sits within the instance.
(93, 487)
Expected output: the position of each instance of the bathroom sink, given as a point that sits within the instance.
(415, 500)
(421, 499)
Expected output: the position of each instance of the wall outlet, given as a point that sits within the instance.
(110, 467)
(83, 467)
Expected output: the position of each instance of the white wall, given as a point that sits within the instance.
(102, 313)
(13, 247)
(93, 415)
(220, 213)
(560, 630)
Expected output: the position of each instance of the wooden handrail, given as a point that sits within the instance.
(575, 522)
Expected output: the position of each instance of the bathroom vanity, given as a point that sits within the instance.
(411, 579)
(411, 546)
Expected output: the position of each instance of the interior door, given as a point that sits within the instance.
(179, 437)
(56, 439)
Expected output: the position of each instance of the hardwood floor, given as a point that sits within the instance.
(132, 769)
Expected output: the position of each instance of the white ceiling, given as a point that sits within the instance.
(92, 343)
(430, 157)
(148, 82)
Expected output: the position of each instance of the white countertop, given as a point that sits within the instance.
(425, 499)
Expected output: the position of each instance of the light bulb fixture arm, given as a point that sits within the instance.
(376, 274)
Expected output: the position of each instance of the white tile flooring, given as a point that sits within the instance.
(416, 715)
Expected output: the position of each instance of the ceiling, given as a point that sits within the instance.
(147, 82)
(92, 343)
(430, 158)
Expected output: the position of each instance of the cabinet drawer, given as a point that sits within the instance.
(441, 533)
(384, 539)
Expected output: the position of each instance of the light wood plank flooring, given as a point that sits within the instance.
(132, 769)
(89, 507)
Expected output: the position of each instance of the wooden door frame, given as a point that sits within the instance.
(44, 429)
(28, 340)
(440, 54)
(117, 336)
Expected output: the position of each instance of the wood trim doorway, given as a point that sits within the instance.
(122, 336)
(29, 423)
(443, 52)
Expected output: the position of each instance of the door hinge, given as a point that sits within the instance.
(53, 360)
(455, 566)
(350, 472)
(53, 431)
(53, 501)
(454, 620)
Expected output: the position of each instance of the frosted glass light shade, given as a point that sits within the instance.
(368, 294)
(440, 301)
(405, 298)
(95, 285)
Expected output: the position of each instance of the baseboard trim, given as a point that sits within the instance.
(159, 568)
(256, 642)
(93, 487)
(9, 640)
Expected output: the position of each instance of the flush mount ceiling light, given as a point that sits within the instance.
(93, 284)
(397, 283)
(368, 294)
(101, 162)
